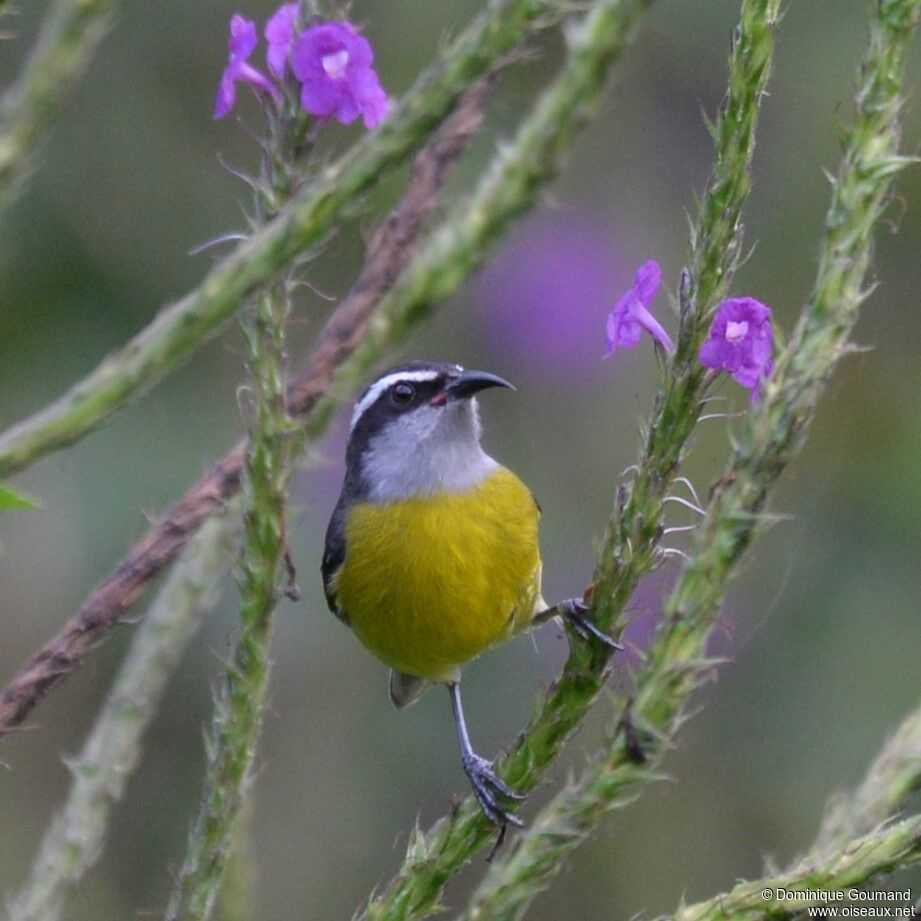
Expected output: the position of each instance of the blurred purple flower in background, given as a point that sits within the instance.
(741, 342)
(631, 315)
(541, 299)
(645, 615)
(333, 63)
(279, 33)
(242, 43)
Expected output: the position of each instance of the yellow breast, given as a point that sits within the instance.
(430, 582)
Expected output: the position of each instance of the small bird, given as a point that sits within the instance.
(432, 550)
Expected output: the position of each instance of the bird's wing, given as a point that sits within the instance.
(333, 558)
(540, 511)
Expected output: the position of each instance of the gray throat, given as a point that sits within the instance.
(427, 452)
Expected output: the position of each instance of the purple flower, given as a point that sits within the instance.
(334, 64)
(631, 316)
(741, 342)
(279, 33)
(242, 43)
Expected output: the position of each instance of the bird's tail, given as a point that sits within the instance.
(406, 689)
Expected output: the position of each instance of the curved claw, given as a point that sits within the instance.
(487, 787)
(576, 610)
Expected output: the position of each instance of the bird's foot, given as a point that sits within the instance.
(487, 788)
(575, 610)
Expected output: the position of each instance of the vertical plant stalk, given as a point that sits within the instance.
(236, 900)
(239, 708)
(851, 864)
(776, 431)
(319, 206)
(112, 750)
(434, 857)
(69, 35)
(893, 776)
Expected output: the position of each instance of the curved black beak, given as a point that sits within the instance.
(468, 383)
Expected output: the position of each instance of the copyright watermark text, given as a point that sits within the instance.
(839, 903)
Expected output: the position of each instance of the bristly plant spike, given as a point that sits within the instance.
(240, 704)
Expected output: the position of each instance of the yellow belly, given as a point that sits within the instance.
(430, 582)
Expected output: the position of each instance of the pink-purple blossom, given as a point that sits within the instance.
(741, 341)
(280, 32)
(242, 43)
(332, 62)
(334, 65)
(631, 316)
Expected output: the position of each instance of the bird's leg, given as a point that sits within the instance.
(575, 612)
(487, 786)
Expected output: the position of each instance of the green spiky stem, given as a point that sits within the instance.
(776, 430)
(236, 899)
(113, 747)
(630, 548)
(179, 329)
(853, 864)
(239, 708)
(69, 35)
(892, 777)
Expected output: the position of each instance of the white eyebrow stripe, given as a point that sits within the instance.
(378, 387)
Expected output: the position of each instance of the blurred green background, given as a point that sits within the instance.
(822, 628)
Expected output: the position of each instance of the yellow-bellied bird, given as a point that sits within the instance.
(432, 551)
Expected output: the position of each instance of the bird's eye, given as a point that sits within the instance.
(402, 393)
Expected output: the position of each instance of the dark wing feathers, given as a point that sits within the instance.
(333, 558)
